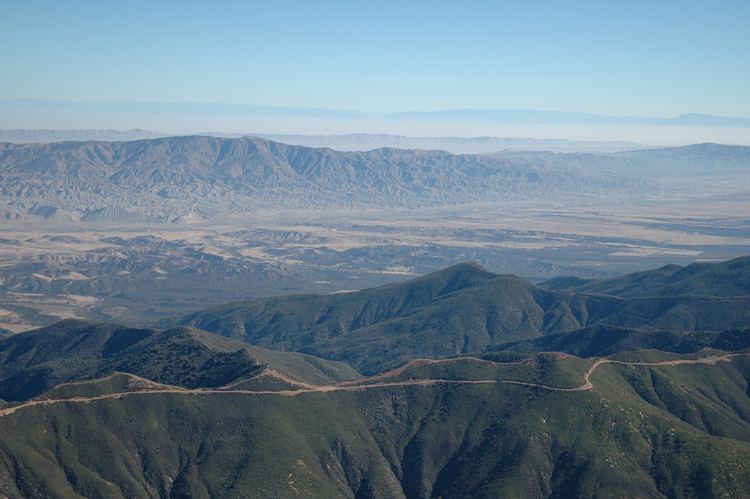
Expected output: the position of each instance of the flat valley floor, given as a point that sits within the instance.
(143, 273)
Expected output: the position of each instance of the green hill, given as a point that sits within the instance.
(608, 340)
(460, 310)
(465, 310)
(640, 431)
(71, 350)
(725, 279)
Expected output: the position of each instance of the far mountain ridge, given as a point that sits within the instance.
(163, 179)
(478, 115)
(192, 178)
(341, 142)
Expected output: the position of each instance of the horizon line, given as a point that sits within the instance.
(500, 114)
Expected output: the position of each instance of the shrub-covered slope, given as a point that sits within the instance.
(465, 309)
(33, 362)
(671, 431)
(724, 279)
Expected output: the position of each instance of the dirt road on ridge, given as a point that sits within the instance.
(157, 388)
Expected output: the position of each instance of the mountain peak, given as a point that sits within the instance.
(465, 268)
(459, 276)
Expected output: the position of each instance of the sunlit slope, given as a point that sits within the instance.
(653, 431)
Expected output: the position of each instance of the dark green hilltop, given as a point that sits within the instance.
(465, 309)
(461, 383)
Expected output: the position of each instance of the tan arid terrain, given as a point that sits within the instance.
(54, 270)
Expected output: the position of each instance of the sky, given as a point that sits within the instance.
(654, 58)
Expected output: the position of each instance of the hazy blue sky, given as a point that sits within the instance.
(653, 58)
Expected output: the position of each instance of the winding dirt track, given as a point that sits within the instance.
(152, 387)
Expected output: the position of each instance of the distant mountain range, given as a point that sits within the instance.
(345, 142)
(19, 107)
(176, 179)
(648, 400)
(455, 145)
(29, 136)
(199, 177)
(560, 117)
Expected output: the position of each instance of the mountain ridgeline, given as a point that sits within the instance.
(647, 432)
(724, 279)
(73, 350)
(209, 176)
(467, 310)
(178, 179)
